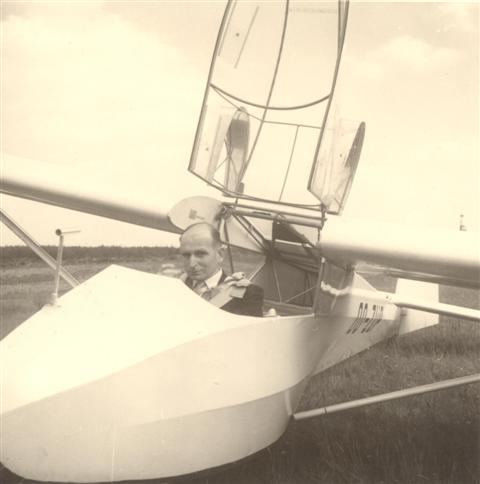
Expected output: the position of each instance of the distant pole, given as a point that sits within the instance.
(462, 226)
(61, 234)
(57, 271)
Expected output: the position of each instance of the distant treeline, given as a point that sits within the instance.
(20, 254)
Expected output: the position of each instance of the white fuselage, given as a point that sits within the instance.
(133, 376)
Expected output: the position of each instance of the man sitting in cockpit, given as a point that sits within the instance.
(202, 255)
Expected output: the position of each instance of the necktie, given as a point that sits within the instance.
(202, 290)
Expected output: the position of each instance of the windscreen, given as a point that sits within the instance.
(337, 162)
(268, 98)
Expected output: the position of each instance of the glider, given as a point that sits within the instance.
(115, 380)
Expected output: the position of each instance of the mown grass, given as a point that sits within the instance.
(434, 438)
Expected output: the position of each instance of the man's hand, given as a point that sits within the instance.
(170, 270)
(237, 280)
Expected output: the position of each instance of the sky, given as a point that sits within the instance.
(114, 89)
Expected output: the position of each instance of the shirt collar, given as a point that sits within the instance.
(213, 281)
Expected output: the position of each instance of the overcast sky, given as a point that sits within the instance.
(115, 89)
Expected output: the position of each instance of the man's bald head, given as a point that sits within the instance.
(201, 250)
(202, 229)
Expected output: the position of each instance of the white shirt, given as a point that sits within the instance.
(213, 281)
(204, 288)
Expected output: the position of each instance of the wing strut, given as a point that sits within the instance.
(35, 246)
(437, 308)
(407, 392)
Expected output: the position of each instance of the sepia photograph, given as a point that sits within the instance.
(239, 242)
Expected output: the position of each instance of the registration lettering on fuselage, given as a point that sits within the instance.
(368, 317)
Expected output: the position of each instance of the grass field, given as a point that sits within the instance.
(433, 438)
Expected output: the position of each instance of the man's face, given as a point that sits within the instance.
(201, 257)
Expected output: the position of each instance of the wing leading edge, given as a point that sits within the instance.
(441, 256)
(54, 185)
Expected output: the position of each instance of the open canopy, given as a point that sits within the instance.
(263, 124)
